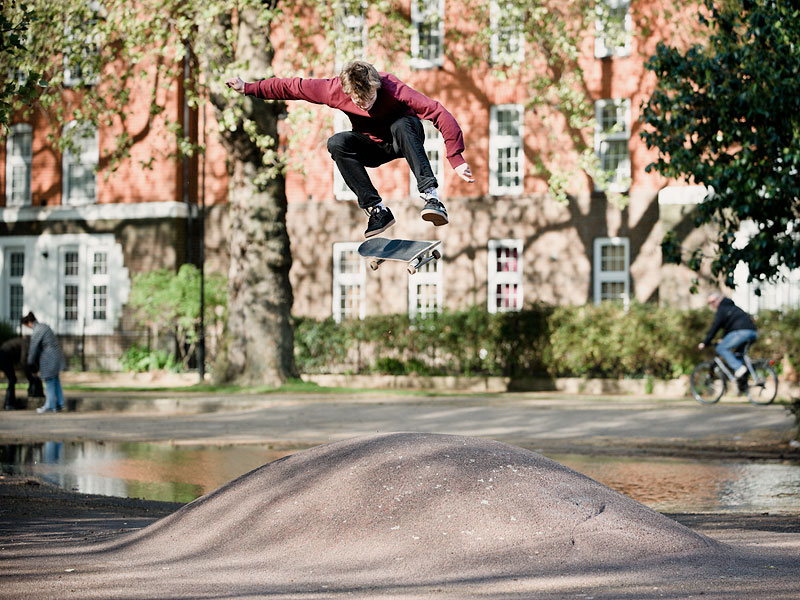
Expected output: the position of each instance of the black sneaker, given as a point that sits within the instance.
(380, 219)
(742, 383)
(434, 211)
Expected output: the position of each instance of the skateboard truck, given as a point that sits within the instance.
(414, 253)
(413, 266)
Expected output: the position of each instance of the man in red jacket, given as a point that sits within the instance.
(385, 114)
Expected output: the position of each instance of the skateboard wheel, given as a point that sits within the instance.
(374, 264)
(412, 269)
(436, 254)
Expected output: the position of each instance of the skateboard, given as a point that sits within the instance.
(407, 251)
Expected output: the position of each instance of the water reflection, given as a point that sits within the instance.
(680, 485)
(135, 470)
(183, 473)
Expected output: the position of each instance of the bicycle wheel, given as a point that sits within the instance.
(707, 383)
(764, 389)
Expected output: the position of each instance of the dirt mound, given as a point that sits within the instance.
(383, 507)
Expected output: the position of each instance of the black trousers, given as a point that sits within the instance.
(35, 388)
(353, 152)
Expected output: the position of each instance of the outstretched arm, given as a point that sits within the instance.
(236, 84)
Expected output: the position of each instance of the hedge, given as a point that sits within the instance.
(592, 340)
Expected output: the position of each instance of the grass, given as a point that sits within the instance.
(294, 386)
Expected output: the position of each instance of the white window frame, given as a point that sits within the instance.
(602, 276)
(782, 294)
(88, 45)
(19, 158)
(88, 143)
(341, 191)
(351, 41)
(43, 269)
(97, 279)
(601, 49)
(495, 277)
(507, 44)
(500, 142)
(435, 150)
(619, 135)
(340, 280)
(427, 15)
(73, 280)
(429, 275)
(12, 280)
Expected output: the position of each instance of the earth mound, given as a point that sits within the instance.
(384, 507)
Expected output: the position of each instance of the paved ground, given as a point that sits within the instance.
(40, 525)
(535, 420)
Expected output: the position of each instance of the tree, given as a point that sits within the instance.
(120, 49)
(14, 26)
(726, 115)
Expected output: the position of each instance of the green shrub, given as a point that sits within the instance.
(777, 335)
(389, 366)
(320, 344)
(139, 359)
(169, 303)
(591, 340)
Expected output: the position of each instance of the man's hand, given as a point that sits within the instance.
(236, 84)
(464, 172)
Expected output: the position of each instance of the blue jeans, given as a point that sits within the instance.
(734, 339)
(54, 394)
(353, 151)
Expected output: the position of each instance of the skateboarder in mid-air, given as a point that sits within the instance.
(385, 114)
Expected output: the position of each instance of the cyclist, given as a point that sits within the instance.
(738, 328)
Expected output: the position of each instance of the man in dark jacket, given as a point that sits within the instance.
(737, 329)
(385, 114)
(14, 352)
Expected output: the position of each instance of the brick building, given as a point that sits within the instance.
(72, 234)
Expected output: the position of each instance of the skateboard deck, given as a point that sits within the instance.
(407, 251)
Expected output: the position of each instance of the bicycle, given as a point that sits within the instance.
(709, 379)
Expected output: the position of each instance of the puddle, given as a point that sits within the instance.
(182, 473)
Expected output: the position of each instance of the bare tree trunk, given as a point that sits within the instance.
(259, 340)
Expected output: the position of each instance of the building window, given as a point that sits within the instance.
(507, 42)
(434, 148)
(505, 275)
(349, 279)
(80, 164)
(505, 149)
(70, 302)
(613, 27)
(612, 270)
(611, 141)
(351, 27)
(427, 41)
(100, 283)
(86, 272)
(81, 55)
(425, 290)
(100, 264)
(99, 302)
(755, 296)
(19, 155)
(13, 271)
(70, 284)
